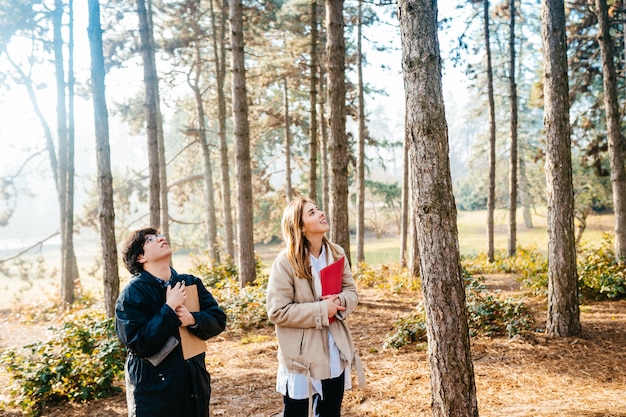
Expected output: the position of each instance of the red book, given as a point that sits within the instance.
(332, 279)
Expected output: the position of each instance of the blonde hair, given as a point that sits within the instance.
(295, 241)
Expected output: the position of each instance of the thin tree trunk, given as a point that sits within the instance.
(71, 82)
(491, 196)
(563, 309)
(313, 145)
(513, 156)
(220, 70)
(452, 381)
(289, 188)
(404, 222)
(106, 211)
(339, 148)
(324, 144)
(67, 278)
(614, 134)
(247, 270)
(210, 220)
(360, 166)
(151, 111)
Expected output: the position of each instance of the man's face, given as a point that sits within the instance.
(155, 248)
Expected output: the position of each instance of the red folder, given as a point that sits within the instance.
(332, 279)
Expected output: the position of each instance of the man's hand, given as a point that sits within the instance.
(185, 316)
(175, 296)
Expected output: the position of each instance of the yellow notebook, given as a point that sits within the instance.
(192, 345)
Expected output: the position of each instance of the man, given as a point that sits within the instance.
(160, 382)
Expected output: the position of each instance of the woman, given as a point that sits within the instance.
(315, 348)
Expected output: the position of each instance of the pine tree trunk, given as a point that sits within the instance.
(210, 220)
(313, 144)
(491, 196)
(106, 210)
(324, 144)
(247, 270)
(404, 221)
(289, 188)
(220, 70)
(451, 371)
(360, 166)
(151, 110)
(563, 310)
(339, 147)
(513, 156)
(614, 134)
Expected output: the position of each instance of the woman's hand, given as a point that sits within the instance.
(333, 303)
(175, 296)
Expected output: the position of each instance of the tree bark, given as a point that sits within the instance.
(563, 310)
(210, 220)
(247, 270)
(324, 144)
(491, 196)
(404, 220)
(220, 70)
(451, 371)
(111, 281)
(313, 144)
(513, 150)
(360, 166)
(289, 188)
(339, 148)
(614, 134)
(153, 118)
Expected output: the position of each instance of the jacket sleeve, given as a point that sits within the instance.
(137, 325)
(286, 307)
(211, 319)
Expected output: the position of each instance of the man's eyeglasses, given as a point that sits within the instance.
(154, 238)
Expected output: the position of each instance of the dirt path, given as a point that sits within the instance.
(531, 375)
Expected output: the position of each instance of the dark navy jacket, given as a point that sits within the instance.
(145, 324)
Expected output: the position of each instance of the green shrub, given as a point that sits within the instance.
(529, 263)
(82, 361)
(411, 329)
(245, 308)
(489, 316)
(600, 275)
(392, 277)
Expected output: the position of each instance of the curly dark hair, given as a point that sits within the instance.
(132, 248)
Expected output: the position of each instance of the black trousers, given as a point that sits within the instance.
(330, 406)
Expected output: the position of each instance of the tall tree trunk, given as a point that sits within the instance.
(67, 277)
(289, 188)
(324, 145)
(451, 371)
(513, 156)
(614, 134)
(71, 82)
(563, 310)
(404, 221)
(219, 51)
(153, 119)
(313, 103)
(247, 270)
(106, 211)
(339, 148)
(491, 196)
(414, 258)
(210, 220)
(360, 166)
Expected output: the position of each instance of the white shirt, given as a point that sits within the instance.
(297, 384)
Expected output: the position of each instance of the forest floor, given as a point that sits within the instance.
(528, 375)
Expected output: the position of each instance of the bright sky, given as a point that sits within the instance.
(21, 132)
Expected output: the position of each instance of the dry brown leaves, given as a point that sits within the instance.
(530, 375)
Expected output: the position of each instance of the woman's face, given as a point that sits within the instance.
(313, 220)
